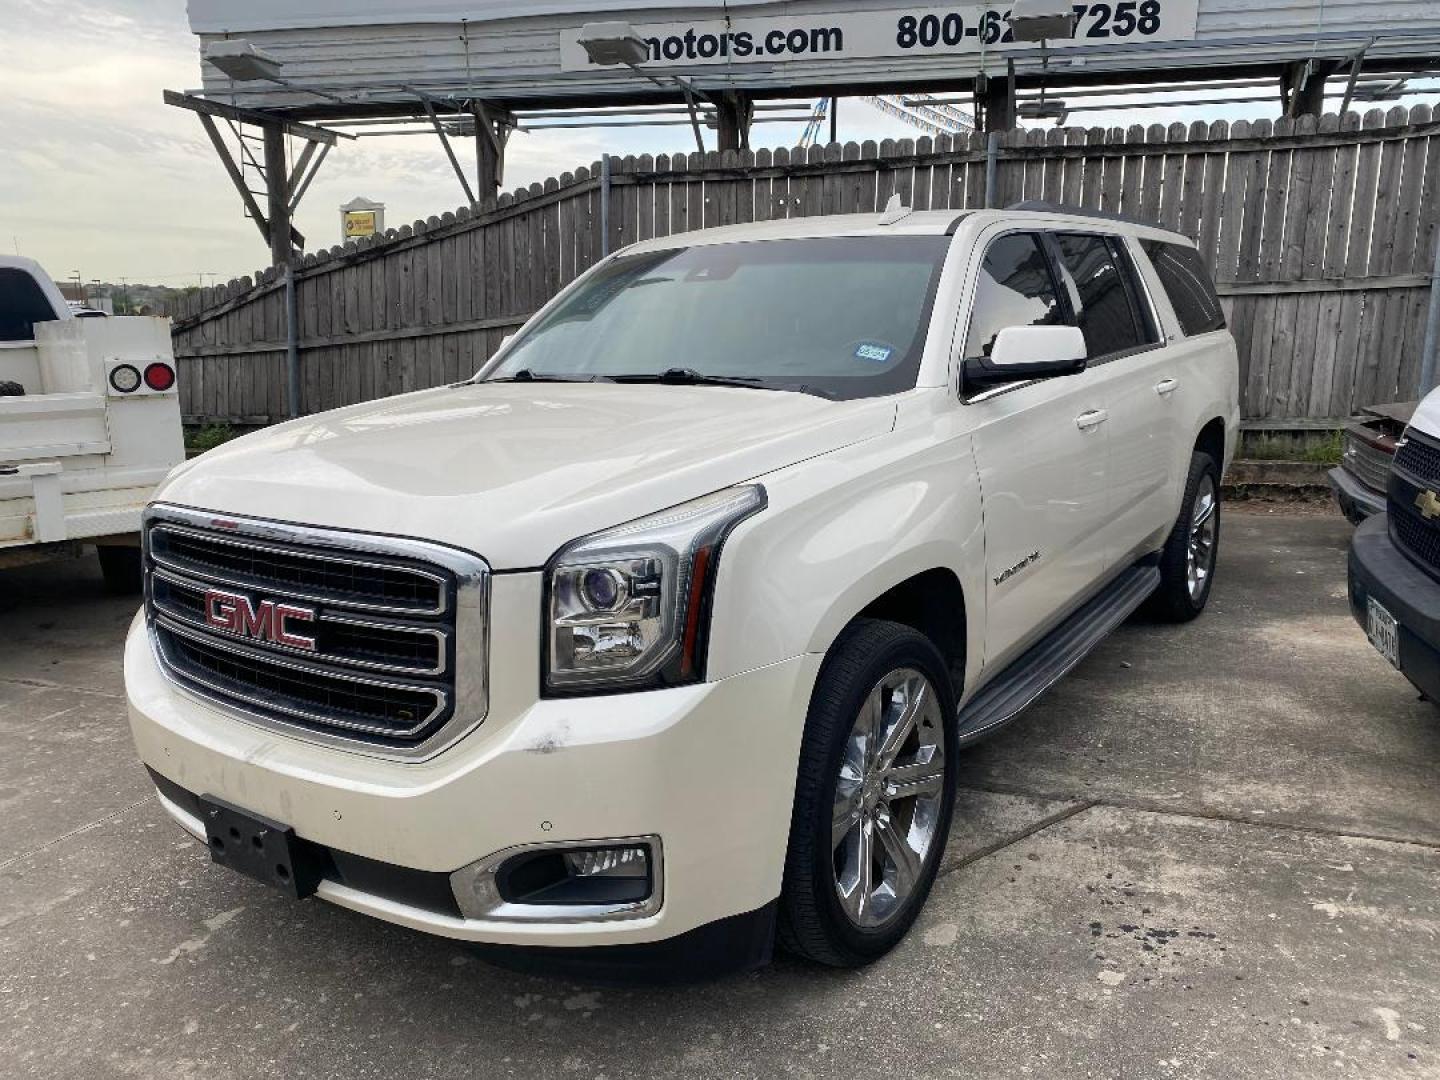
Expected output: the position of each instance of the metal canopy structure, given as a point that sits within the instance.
(318, 70)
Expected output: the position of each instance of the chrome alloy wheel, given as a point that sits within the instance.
(1200, 554)
(888, 797)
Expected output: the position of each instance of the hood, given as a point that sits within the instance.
(1427, 415)
(512, 471)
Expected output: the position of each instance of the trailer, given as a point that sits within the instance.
(89, 425)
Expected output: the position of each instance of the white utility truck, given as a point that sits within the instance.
(89, 425)
(659, 639)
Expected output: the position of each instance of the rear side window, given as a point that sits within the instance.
(1016, 288)
(22, 305)
(1110, 315)
(1182, 272)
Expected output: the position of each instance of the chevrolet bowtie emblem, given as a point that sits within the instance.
(1428, 505)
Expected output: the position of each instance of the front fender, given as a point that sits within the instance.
(840, 531)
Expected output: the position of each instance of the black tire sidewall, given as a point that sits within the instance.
(912, 650)
(1172, 601)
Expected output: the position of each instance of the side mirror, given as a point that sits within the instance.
(1023, 353)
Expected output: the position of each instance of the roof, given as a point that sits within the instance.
(918, 223)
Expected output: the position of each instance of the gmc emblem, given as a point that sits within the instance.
(235, 613)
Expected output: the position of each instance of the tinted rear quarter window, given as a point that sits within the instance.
(22, 305)
(1187, 283)
(1110, 315)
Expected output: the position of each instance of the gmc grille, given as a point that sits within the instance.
(385, 644)
(1415, 475)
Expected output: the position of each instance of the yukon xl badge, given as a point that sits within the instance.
(1029, 560)
(237, 614)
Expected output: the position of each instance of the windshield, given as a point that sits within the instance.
(842, 317)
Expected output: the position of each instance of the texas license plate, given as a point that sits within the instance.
(1383, 631)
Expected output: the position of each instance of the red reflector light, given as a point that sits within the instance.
(160, 377)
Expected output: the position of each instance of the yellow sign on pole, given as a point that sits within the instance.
(359, 223)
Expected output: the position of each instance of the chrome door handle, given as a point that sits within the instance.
(1166, 387)
(1092, 419)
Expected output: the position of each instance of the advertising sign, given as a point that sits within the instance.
(894, 32)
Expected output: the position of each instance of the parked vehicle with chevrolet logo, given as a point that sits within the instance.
(660, 638)
(1395, 558)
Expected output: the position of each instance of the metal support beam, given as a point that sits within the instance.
(449, 150)
(694, 117)
(257, 215)
(1357, 64)
(1302, 86)
(298, 192)
(205, 107)
(733, 117)
(491, 137)
(998, 99)
(277, 185)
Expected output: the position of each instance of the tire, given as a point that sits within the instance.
(120, 567)
(11, 389)
(814, 921)
(1181, 596)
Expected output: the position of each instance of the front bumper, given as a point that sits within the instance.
(1379, 569)
(709, 769)
(1357, 502)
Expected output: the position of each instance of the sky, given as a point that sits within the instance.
(99, 177)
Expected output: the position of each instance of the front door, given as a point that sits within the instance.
(1041, 449)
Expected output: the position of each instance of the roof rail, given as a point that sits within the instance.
(1043, 207)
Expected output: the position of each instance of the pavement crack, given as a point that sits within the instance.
(46, 684)
(1014, 838)
(73, 833)
(1142, 806)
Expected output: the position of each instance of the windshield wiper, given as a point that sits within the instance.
(679, 376)
(526, 375)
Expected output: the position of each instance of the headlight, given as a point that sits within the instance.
(629, 608)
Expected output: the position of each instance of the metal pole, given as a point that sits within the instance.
(992, 170)
(604, 205)
(292, 343)
(1432, 329)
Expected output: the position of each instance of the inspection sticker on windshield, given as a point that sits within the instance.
(873, 353)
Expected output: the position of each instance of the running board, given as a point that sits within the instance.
(1050, 659)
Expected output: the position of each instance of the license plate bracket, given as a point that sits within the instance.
(1383, 630)
(259, 848)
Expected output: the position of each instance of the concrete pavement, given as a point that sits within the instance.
(1211, 851)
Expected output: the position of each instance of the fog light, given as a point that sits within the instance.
(618, 880)
(613, 862)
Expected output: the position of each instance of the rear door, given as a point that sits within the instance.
(1127, 351)
(1041, 451)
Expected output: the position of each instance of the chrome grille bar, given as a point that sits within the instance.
(161, 553)
(394, 651)
(166, 583)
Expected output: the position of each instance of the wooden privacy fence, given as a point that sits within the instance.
(1320, 234)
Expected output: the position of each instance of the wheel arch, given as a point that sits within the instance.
(1212, 440)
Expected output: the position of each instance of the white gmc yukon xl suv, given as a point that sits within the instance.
(659, 640)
